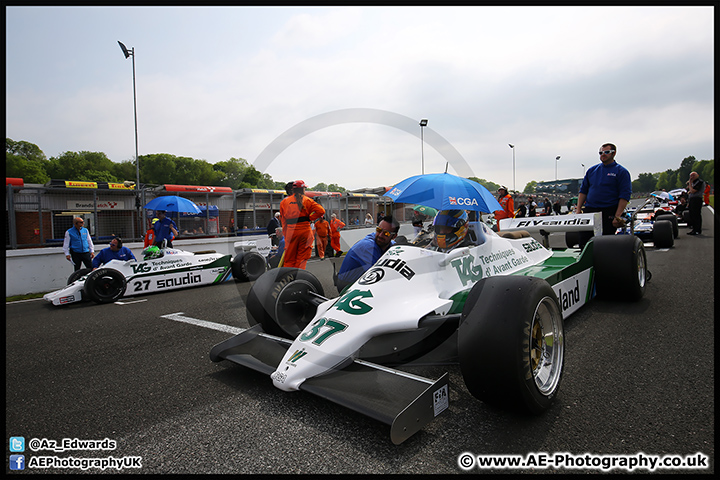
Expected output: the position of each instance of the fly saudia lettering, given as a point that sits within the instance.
(188, 279)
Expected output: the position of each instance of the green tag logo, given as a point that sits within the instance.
(141, 268)
(466, 270)
(351, 302)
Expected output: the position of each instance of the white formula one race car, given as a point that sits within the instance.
(160, 270)
(651, 222)
(496, 307)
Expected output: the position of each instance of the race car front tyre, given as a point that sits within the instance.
(77, 274)
(620, 267)
(279, 301)
(248, 266)
(662, 233)
(105, 285)
(511, 343)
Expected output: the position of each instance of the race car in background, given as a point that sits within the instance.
(161, 269)
(496, 308)
(653, 221)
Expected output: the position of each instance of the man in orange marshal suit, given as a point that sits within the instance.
(296, 212)
(506, 202)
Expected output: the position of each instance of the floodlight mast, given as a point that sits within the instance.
(131, 53)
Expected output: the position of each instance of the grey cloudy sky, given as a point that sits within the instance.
(221, 82)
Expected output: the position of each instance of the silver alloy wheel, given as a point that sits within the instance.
(547, 346)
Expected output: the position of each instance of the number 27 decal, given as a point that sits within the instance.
(332, 327)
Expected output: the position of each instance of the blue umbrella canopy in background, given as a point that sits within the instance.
(173, 203)
(444, 191)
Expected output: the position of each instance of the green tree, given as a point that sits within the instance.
(683, 173)
(666, 180)
(492, 186)
(706, 170)
(157, 168)
(25, 160)
(28, 150)
(231, 172)
(81, 166)
(17, 166)
(125, 171)
(646, 182)
(530, 188)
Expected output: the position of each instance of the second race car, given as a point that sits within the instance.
(160, 269)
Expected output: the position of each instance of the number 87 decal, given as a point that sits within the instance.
(332, 326)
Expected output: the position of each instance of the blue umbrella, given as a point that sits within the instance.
(173, 203)
(444, 191)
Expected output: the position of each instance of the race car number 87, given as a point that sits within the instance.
(332, 326)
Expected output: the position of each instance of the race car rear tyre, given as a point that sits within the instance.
(248, 266)
(663, 234)
(511, 342)
(105, 285)
(620, 267)
(665, 215)
(77, 274)
(278, 301)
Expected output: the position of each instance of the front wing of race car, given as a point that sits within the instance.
(404, 401)
(70, 294)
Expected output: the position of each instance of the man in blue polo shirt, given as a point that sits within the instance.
(165, 229)
(115, 251)
(78, 246)
(606, 188)
(366, 252)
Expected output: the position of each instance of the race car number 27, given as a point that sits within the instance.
(328, 327)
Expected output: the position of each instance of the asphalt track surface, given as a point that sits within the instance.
(638, 381)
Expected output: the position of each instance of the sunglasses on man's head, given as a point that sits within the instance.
(605, 152)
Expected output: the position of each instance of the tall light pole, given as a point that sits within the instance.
(513, 149)
(583, 165)
(556, 178)
(131, 53)
(423, 124)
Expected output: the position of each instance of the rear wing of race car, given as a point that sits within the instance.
(404, 401)
(554, 223)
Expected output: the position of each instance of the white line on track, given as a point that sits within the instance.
(179, 317)
(130, 302)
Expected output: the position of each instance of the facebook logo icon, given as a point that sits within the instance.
(17, 462)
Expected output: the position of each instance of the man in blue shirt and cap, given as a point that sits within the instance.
(165, 229)
(115, 251)
(606, 188)
(366, 252)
